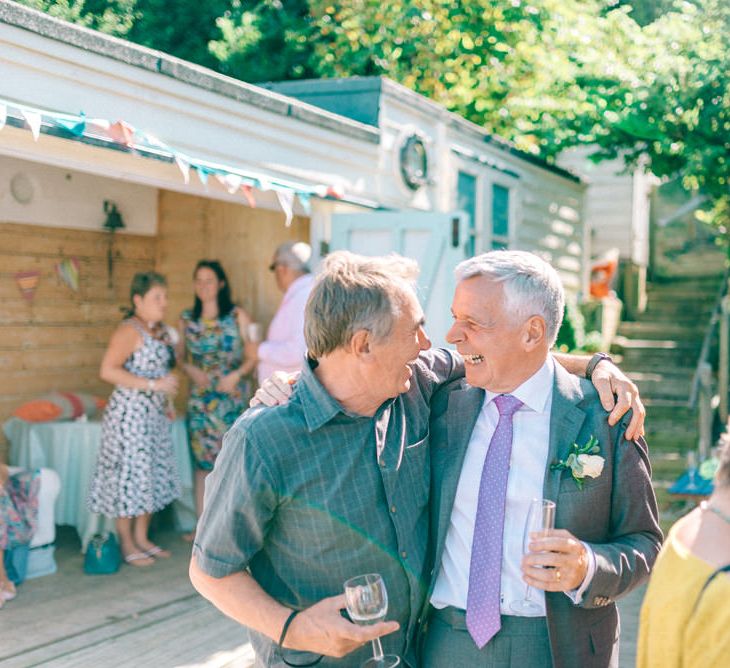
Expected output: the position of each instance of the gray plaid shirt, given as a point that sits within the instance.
(299, 496)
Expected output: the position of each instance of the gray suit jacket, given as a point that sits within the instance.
(615, 513)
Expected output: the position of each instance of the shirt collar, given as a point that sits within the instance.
(536, 392)
(318, 405)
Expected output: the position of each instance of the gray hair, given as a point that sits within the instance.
(353, 292)
(294, 254)
(531, 285)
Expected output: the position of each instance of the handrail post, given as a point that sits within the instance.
(705, 410)
(724, 359)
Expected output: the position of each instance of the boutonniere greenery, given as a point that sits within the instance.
(583, 461)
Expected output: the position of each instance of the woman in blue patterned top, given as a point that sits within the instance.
(211, 345)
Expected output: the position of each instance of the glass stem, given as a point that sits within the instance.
(528, 591)
(377, 649)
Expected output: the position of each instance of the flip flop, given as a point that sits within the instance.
(136, 558)
(158, 552)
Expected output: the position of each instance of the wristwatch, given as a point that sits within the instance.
(594, 362)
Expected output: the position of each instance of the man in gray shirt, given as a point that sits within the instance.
(335, 483)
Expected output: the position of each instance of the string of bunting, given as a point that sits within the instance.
(123, 136)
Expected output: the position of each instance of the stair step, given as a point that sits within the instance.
(663, 331)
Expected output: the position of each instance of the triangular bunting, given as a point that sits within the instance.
(34, 119)
(68, 271)
(305, 201)
(184, 166)
(122, 133)
(27, 282)
(286, 200)
(248, 194)
(75, 126)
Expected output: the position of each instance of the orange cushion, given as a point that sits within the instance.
(60, 406)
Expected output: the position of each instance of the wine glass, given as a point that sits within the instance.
(367, 603)
(540, 517)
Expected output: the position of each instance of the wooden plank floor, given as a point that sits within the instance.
(137, 617)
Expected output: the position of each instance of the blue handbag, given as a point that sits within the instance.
(16, 563)
(103, 556)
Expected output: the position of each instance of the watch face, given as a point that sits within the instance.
(414, 162)
(21, 188)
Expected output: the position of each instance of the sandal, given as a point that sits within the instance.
(158, 552)
(7, 591)
(136, 559)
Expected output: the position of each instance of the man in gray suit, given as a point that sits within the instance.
(519, 427)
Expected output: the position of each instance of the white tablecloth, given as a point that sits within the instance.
(70, 449)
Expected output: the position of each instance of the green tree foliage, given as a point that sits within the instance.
(647, 79)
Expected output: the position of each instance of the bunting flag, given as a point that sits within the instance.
(248, 194)
(27, 282)
(122, 133)
(233, 179)
(184, 166)
(34, 120)
(202, 175)
(306, 202)
(76, 126)
(286, 201)
(68, 271)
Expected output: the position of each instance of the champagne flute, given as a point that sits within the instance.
(367, 603)
(540, 517)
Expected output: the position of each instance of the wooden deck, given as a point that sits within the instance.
(137, 617)
(144, 617)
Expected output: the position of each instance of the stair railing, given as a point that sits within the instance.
(701, 392)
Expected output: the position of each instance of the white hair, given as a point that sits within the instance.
(531, 286)
(294, 254)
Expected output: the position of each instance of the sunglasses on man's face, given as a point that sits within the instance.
(273, 266)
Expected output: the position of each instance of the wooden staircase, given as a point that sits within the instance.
(659, 352)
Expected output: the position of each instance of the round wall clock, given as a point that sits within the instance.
(21, 188)
(414, 162)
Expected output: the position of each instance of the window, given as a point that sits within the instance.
(466, 200)
(500, 216)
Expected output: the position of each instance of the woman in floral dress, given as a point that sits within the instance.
(211, 346)
(18, 518)
(135, 472)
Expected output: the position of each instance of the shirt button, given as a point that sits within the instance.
(404, 554)
(392, 509)
(381, 462)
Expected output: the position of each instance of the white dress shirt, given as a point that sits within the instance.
(284, 347)
(530, 447)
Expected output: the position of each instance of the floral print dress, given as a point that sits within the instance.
(214, 346)
(136, 471)
(19, 508)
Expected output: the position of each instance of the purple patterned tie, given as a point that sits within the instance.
(482, 603)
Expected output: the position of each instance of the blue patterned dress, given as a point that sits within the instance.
(214, 346)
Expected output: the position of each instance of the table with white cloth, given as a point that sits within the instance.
(71, 449)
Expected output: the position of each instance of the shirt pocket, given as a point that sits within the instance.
(417, 466)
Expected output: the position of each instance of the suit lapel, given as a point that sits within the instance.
(566, 419)
(461, 416)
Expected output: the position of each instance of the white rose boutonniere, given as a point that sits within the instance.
(583, 461)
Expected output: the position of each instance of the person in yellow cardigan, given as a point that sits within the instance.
(685, 617)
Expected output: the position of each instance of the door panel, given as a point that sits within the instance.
(437, 241)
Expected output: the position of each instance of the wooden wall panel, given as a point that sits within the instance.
(56, 341)
(243, 239)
